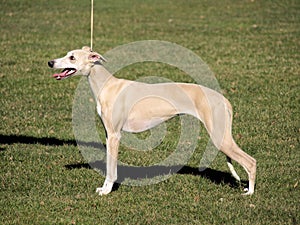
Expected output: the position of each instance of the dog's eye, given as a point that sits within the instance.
(72, 57)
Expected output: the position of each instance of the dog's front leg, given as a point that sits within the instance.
(112, 145)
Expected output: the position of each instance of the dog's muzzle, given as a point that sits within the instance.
(67, 72)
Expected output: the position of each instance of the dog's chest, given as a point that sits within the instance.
(98, 108)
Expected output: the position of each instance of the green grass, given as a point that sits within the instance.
(252, 47)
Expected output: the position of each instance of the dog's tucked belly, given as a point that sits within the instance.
(140, 125)
(148, 113)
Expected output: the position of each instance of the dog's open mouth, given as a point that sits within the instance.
(67, 72)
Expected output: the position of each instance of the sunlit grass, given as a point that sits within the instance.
(253, 48)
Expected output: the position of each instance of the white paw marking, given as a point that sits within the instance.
(248, 192)
(105, 189)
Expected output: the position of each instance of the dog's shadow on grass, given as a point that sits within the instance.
(23, 139)
(139, 173)
(134, 173)
(47, 141)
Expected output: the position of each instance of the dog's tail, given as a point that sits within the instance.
(232, 170)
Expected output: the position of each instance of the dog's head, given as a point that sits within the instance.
(76, 62)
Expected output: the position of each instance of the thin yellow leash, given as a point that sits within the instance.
(92, 22)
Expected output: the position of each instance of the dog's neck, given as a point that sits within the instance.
(98, 77)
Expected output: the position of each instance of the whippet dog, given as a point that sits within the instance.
(125, 105)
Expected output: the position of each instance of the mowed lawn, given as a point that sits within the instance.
(253, 48)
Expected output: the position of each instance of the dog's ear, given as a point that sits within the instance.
(86, 48)
(95, 57)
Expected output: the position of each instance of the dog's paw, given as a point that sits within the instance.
(105, 189)
(248, 192)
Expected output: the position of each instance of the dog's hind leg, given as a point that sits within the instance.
(246, 161)
(218, 123)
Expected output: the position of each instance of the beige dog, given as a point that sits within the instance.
(135, 107)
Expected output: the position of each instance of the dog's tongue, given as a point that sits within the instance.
(61, 75)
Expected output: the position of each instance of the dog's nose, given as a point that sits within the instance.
(51, 63)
